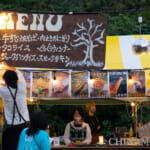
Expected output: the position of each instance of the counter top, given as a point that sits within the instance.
(89, 147)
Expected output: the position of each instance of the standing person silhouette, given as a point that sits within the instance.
(93, 121)
(16, 113)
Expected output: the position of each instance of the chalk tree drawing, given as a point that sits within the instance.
(86, 36)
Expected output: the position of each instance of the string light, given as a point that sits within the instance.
(54, 78)
(132, 104)
(130, 77)
(91, 80)
(31, 99)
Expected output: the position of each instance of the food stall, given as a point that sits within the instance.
(67, 59)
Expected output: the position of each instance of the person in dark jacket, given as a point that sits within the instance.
(93, 121)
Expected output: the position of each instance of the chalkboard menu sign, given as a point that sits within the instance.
(45, 40)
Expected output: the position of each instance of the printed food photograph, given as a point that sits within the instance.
(60, 87)
(99, 84)
(41, 84)
(136, 83)
(147, 82)
(27, 76)
(79, 84)
(118, 84)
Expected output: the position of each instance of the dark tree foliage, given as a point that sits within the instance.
(118, 23)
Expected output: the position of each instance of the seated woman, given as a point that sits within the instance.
(35, 137)
(77, 131)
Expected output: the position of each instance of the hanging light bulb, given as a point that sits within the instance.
(31, 99)
(130, 78)
(91, 80)
(54, 78)
(132, 104)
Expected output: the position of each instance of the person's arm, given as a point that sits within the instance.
(88, 138)
(21, 78)
(19, 74)
(67, 134)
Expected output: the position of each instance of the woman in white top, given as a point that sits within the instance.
(16, 113)
(77, 131)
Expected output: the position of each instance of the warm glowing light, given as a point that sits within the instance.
(101, 139)
(130, 80)
(6, 21)
(2, 21)
(31, 99)
(55, 81)
(91, 81)
(1, 17)
(1, 66)
(132, 104)
(6, 18)
(143, 53)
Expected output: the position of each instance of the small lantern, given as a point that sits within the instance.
(101, 140)
(140, 46)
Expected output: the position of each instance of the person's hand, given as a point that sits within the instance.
(2, 57)
(4, 65)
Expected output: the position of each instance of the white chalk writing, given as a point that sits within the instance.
(53, 48)
(13, 38)
(37, 58)
(15, 47)
(55, 38)
(23, 17)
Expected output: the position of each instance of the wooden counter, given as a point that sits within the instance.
(105, 147)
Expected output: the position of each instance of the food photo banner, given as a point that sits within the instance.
(98, 86)
(118, 84)
(79, 84)
(60, 86)
(136, 84)
(85, 84)
(41, 84)
(45, 40)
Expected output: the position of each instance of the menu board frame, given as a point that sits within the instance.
(48, 40)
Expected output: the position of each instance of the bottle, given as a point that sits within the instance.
(131, 132)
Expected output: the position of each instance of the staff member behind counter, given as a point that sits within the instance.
(77, 131)
(93, 121)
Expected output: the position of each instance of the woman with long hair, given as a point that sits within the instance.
(35, 137)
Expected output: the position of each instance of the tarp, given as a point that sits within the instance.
(119, 54)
